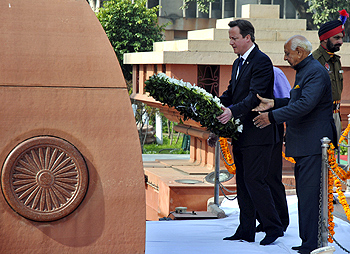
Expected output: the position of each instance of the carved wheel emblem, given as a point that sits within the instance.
(44, 178)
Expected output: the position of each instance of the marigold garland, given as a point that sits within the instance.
(227, 155)
(290, 159)
(342, 198)
(333, 180)
(330, 206)
(343, 175)
(344, 135)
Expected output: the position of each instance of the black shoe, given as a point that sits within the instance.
(236, 237)
(232, 238)
(301, 251)
(259, 228)
(296, 247)
(269, 239)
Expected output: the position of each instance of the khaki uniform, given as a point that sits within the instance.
(333, 67)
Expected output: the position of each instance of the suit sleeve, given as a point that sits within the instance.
(281, 102)
(310, 95)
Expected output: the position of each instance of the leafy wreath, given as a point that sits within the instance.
(192, 102)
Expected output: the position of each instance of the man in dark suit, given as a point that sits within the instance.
(281, 89)
(308, 115)
(252, 74)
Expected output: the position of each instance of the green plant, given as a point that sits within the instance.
(192, 102)
(323, 11)
(143, 115)
(130, 27)
(343, 148)
(166, 147)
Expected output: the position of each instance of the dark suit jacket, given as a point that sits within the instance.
(255, 77)
(308, 112)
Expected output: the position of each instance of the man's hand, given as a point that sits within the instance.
(265, 104)
(226, 116)
(211, 141)
(262, 120)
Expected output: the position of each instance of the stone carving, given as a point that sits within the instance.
(209, 78)
(44, 178)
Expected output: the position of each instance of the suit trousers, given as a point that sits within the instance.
(253, 193)
(274, 181)
(308, 180)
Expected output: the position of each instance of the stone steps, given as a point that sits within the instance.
(201, 52)
(223, 46)
(268, 24)
(211, 46)
(260, 35)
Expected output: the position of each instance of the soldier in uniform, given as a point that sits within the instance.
(331, 36)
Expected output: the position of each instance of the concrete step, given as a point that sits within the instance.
(216, 46)
(223, 46)
(222, 34)
(260, 35)
(205, 57)
(268, 24)
(180, 57)
(193, 46)
(213, 53)
(311, 35)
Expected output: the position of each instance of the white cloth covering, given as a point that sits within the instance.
(205, 236)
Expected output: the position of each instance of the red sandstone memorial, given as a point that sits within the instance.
(67, 135)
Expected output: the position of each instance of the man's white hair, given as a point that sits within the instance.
(299, 41)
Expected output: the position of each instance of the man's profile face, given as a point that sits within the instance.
(334, 43)
(291, 56)
(237, 41)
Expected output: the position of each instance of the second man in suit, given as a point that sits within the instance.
(252, 74)
(308, 115)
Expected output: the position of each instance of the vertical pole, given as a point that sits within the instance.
(217, 173)
(210, 9)
(222, 9)
(160, 12)
(183, 11)
(159, 129)
(236, 7)
(324, 192)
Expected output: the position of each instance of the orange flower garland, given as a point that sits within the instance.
(290, 159)
(227, 155)
(333, 180)
(342, 198)
(334, 165)
(344, 135)
(330, 207)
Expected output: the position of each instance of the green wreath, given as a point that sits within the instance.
(192, 102)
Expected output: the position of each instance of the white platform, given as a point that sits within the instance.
(205, 236)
